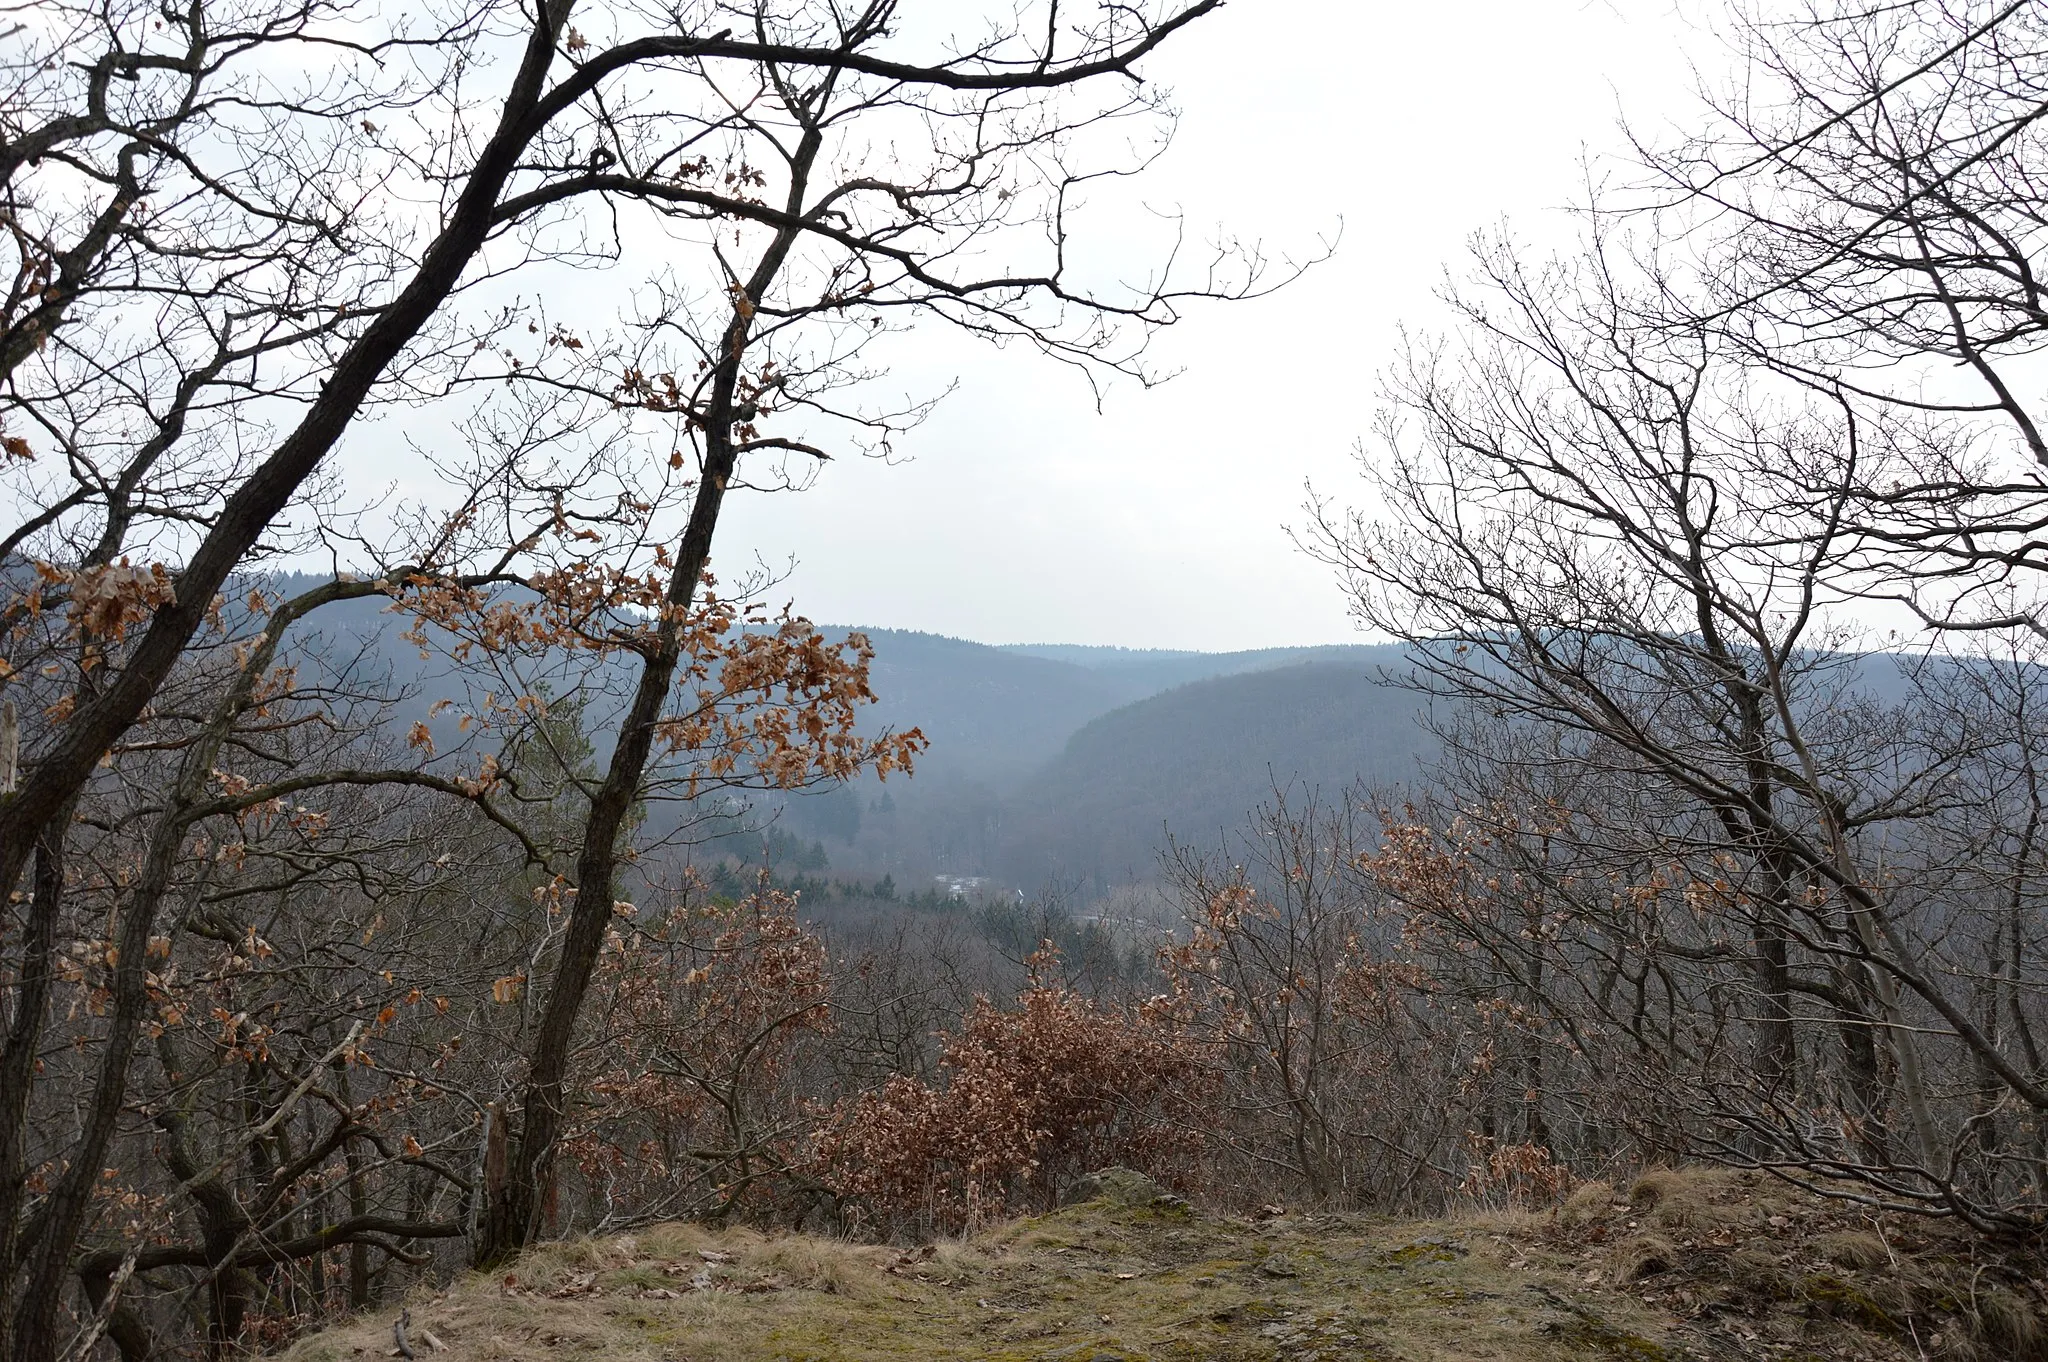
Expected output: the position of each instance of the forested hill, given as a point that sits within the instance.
(996, 714)
(1046, 761)
(1068, 763)
(993, 714)
(1157, 669)
(1195, 760)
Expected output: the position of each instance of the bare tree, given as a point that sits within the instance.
(1864, 216)
(1341, 1054)
(1628, 533)
(789, 183)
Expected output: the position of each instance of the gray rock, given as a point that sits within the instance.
(1119, 1187)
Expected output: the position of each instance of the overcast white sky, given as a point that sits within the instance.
(1019, 514)
(1023, 516)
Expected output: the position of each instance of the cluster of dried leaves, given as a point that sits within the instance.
(1029, 1098)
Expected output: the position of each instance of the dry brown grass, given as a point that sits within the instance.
(1853, 1248)
(1694, 1198)
(1693, 1265)
(1588, 1201)
(1641, 1256)
(1755, 1256)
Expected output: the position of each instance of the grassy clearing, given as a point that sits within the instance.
(1680, 1267)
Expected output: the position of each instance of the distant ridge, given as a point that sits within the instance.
(1046, 760)
(1197, 759)
(1003, 710)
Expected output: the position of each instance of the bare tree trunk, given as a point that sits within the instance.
(1535, 1130)
(1858, 1029)
(18, 1058)
(530, 1183)
(1775, 1056)
(513, 1218)
(131, 1337)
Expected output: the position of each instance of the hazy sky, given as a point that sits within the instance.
(1021, 515)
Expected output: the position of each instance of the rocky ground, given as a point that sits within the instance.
(1694, 1265)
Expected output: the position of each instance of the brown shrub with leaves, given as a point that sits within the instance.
(1030, 1098)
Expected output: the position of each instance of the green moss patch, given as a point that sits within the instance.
(1122, 1277)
